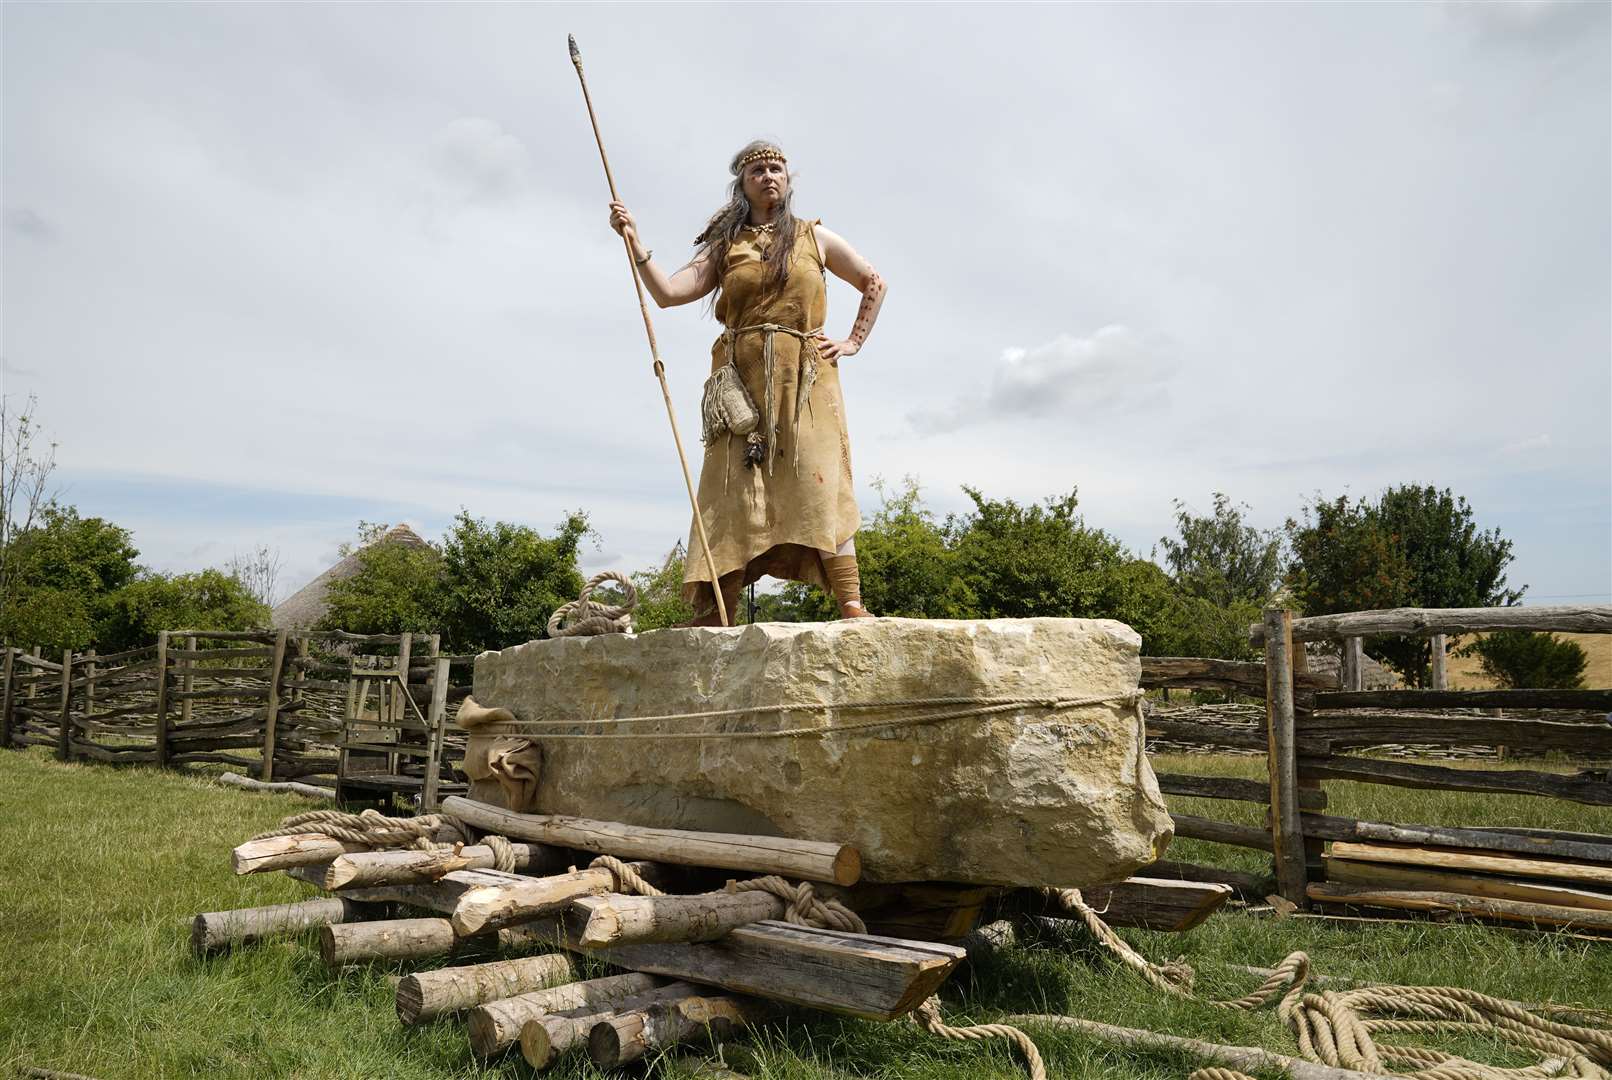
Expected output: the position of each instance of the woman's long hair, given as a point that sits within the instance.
(724, 227)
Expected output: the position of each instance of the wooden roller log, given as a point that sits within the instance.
(426, 995)
(497, 1024)
(1146, 903)
(627, 920)
(546, 1039)
(411, 939)
(513, 901)
(214, 930)
(628, 1036)
(283, 852)
(809, 859)
(411, 866)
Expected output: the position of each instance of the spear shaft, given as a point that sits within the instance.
(654, 347)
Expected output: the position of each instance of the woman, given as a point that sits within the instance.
(775, 487)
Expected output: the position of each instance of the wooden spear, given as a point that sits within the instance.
(654, 347)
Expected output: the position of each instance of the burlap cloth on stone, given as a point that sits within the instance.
(512, 763)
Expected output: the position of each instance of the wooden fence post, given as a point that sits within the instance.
(271, 714)
(1440, 677)
(64, 733)
(162, 699)
(90, 669)
(5, 701)
(187, 681)
(436, 720)
(1287, 831)
(1353, 676)
(33, 686)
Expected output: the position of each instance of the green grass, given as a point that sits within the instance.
(99, 868)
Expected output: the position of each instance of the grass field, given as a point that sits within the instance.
(99, 867)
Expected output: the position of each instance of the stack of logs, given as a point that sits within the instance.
(700, 961)
(1566, 883)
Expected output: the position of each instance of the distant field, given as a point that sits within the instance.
(1465, 674)
(99, 867)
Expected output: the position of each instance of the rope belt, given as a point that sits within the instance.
(803, 387)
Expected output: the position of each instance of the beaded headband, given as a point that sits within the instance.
(765, 153)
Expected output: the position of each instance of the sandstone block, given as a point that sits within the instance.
(1022, 797)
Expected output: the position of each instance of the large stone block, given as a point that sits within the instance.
(1027, 796)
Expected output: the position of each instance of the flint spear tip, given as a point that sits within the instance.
(571, 40)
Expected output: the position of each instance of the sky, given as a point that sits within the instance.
(274, 269)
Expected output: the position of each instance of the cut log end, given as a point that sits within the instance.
(410, 999)
(848, 866)
(537, 1047)
(617, 1040)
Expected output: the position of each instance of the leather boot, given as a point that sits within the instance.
(845, 582)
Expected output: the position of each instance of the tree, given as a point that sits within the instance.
(1519, 659)
(398, 589)
(64, 569)
(207, 600)
(660, 594)
(1222, 559)
(502, 582)
(1024, 561)
(25, 468)
(1414, 547)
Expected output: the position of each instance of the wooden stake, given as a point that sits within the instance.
(271, 714)
(162, 699)
(436, 720)
(1287, 833)
(5, 701)
(654, 348)
(64, 732)
(528, 898)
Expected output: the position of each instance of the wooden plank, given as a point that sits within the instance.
(1247, 886)
(64, 732)
(1599, 701)
(1352, 729)
(1201, 734)
(1583, 787)
(1459, 904)
(1287, 829)
(1394, 876)
(1532, 842)
(1571, 618)
(266, 637)
(810, 859)
(853, 974)
(1141, 902)
(214, 693)
(1228, 787)
(161, 707)
(271, 714)
(1439, 647)
(1510, 865)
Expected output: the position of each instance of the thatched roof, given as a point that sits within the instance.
(307, 605)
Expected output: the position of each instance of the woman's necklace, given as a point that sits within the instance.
(764, 229)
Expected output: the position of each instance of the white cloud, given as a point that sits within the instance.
(1111, 373)
(483, 159)
(1531, 445)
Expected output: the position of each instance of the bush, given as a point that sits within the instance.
(1521, 659)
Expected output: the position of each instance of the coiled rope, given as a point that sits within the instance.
(1338, 1028)
(585, 617)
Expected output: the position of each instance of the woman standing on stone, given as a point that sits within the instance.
(775, 488)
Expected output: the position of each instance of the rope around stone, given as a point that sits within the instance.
(976, 707)
(584, 617)
(1338, 1028)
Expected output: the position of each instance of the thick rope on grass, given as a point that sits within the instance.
(1339, 1029)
